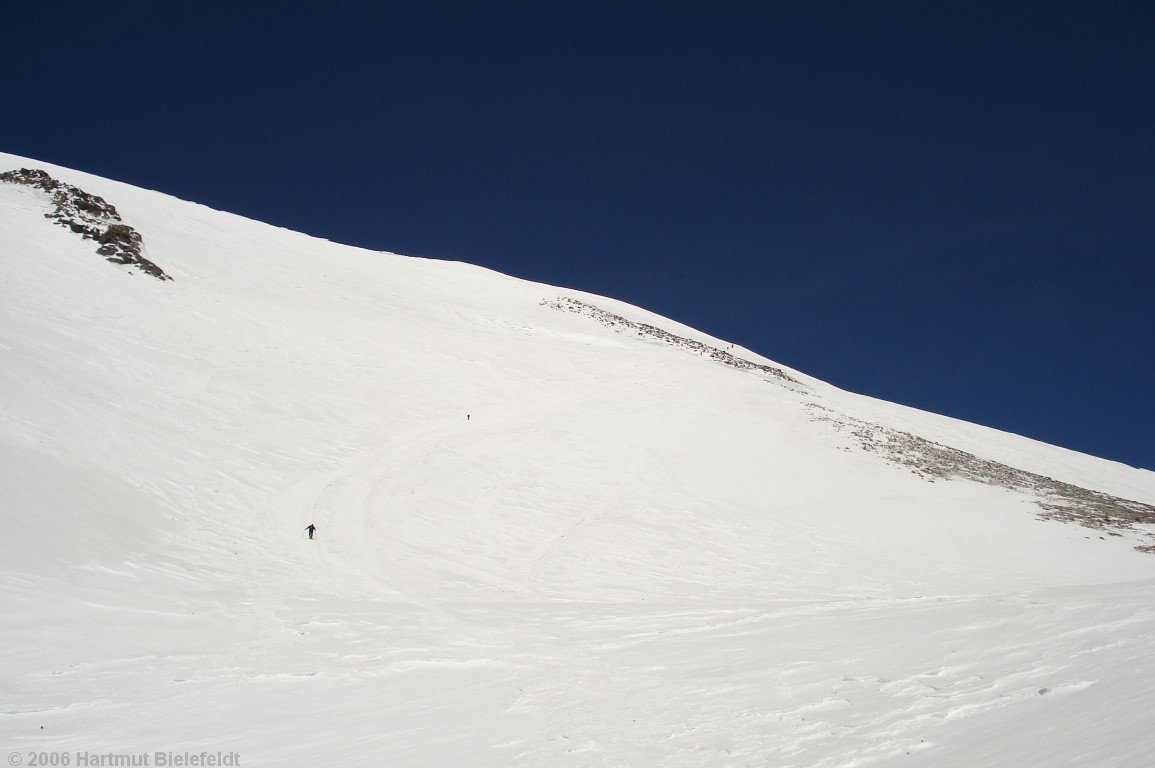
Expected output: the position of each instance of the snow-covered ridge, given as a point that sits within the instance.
(925, 458)
(544, 538)
(91, 217)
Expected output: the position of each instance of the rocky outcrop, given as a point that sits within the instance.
(91, 217)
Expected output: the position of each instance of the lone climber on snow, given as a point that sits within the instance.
(311, 530)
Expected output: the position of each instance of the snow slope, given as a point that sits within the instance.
(628, 554)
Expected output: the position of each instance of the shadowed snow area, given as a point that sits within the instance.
(633, 552)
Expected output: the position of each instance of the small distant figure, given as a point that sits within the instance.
(467, 417)
(311, 530)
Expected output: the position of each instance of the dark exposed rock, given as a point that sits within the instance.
(91, 217)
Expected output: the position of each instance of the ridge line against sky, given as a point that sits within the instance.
(951, 208)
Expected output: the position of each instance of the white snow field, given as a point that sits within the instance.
(629, 553)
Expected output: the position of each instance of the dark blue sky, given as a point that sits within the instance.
(950, 206)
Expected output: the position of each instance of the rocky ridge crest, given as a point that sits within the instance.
(928, 460)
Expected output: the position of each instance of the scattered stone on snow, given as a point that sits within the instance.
(931, 461)
(619, 323)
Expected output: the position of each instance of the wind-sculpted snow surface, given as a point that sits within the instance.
(541, 541)
(91, 217)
